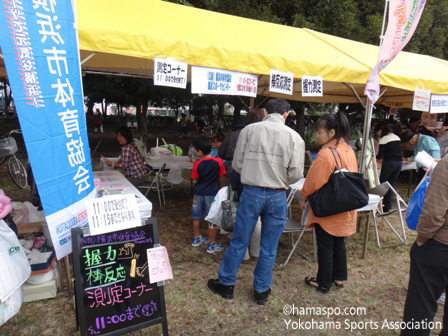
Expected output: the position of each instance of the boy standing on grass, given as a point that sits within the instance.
(207, 172)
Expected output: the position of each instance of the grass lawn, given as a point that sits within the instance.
(376, 284)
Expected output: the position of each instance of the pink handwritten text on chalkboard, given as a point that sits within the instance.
(114, 294)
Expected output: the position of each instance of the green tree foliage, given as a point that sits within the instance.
(358, 20)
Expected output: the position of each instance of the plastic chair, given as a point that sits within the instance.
(156, 184)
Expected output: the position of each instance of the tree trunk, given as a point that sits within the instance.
(300, 119)
(299, 108)
(90, 104)
(142, 121)
(221, 105)
(237, 106)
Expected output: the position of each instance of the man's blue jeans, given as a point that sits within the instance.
(270, 205)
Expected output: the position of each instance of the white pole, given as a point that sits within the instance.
(369, 105)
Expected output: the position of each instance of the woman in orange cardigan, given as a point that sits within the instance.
(332, 132)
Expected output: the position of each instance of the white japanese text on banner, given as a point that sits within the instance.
(39, 45)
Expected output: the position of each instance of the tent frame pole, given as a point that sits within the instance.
(365, 135)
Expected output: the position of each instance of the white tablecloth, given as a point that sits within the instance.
(409, 166)
(113, 178)
(374, 200)
(180, 161)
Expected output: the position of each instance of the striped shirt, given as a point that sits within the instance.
(433, 222)
(132, 162)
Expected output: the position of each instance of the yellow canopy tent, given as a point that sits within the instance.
(124, 38)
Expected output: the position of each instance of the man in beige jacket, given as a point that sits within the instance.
(269, 156)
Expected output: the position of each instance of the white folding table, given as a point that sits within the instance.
(114, 179)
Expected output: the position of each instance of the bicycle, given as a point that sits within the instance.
(17, 171)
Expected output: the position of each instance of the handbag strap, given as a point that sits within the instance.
(337, 165)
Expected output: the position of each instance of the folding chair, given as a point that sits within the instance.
(380, 191)
(293, 225)
(157, 184)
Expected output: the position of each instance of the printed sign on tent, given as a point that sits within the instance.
(246, 84)
(40, 49)
(422, 99)
(112, 213)
(212, 81)
(224, 82)
(312, 86)
(439, 103)
(170, 73)
(281, 82)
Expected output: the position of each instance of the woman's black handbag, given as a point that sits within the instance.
(344, 191)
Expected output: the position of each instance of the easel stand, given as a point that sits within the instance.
(113, 292)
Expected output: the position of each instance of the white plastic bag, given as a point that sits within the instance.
(141, 147)
(11, 306)
(175, 175)
(25, 213)
(215, 214)
(14, 265)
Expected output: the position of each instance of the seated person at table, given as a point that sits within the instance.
(422, 142)
(390, 152)
(208, 172)
(130, 160)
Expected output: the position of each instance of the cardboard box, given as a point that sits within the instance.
(46, 290)
(44, 267)
(29, 228)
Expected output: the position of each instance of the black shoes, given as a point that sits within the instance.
(262, 298)
(225, 291)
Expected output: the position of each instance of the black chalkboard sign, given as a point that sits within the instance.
(113, 293)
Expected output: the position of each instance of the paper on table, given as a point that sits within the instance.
(424, 159)
(159, 266)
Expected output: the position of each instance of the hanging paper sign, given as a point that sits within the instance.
(439, 103)
(112, 213)
(312, 86)
(41, 54)
(159, 265)
(422, 99)
(170, 73)
(281, 82)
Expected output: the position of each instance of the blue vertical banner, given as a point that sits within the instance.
(39, 44)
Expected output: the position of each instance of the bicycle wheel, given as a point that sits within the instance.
(2, 159)
(17, 172)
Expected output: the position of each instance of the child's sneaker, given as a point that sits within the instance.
(214, 247)
(195, 242)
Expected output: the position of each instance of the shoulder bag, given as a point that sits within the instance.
(229, 211)
(344, 191)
